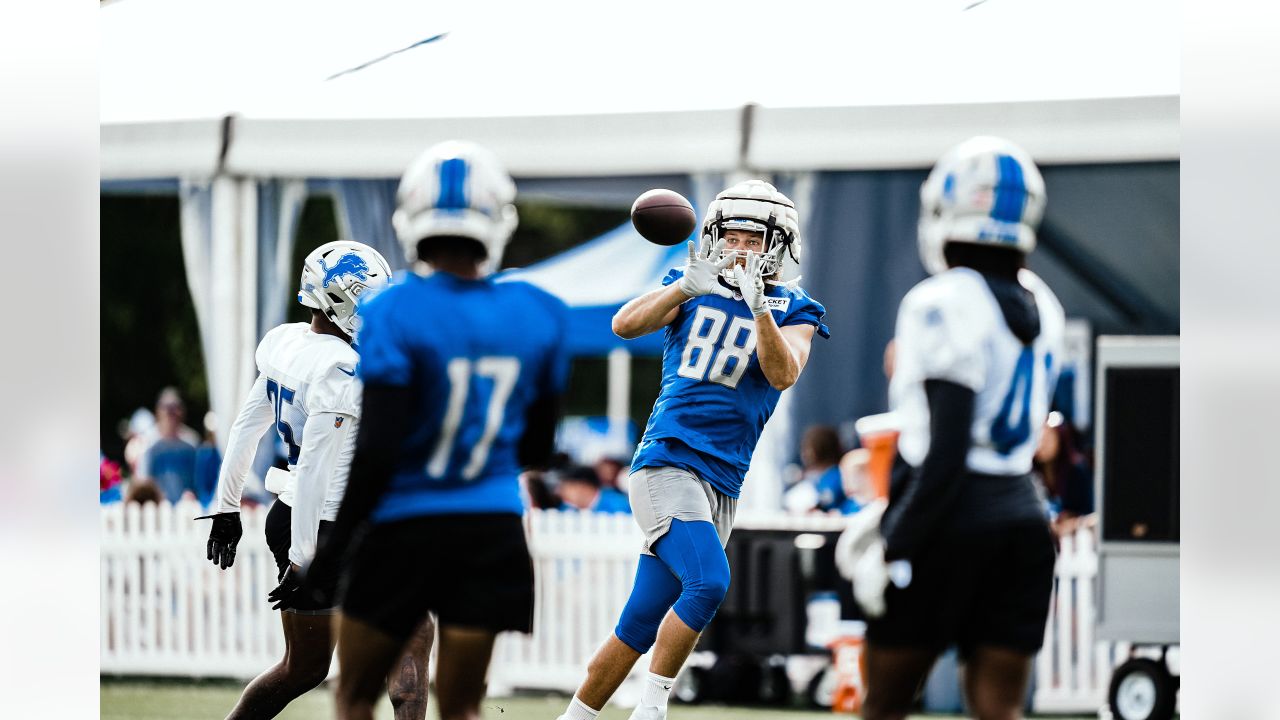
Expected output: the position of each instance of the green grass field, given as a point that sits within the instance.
(165, 700)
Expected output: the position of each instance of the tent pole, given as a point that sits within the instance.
(618, 396)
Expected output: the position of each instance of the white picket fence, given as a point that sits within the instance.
(167, 611)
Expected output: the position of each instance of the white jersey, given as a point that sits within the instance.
(308, 392)
(950, 327)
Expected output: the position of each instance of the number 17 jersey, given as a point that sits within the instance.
(473, 355)
(950, 327)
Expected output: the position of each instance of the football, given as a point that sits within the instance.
(663, 217)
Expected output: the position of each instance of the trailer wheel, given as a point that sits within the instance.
(1142, 689)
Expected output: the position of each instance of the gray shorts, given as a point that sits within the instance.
(659, 494)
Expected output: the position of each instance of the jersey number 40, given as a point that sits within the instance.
(730, 361)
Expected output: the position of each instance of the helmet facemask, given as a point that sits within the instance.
(754, 206)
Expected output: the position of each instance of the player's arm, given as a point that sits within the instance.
(651, 311)
(914, 517)
(538, 443)
(384, 422)
(255, 418)
(324, 438)
(782, 352)
(658, 308)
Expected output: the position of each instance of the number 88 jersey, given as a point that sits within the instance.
(715, 398)
(951, 327)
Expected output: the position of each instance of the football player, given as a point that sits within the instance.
(462, 377)
(307, 391)
(963, 554)
(736, 337)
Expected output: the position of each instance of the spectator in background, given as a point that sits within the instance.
(855, 477)
(1064, 473)
(537, 493)
(580, 489)
(170, 459)
(109, 481)
(143, 492)
(138, 434)
(820, 487)
(208, 462)
(613, 474)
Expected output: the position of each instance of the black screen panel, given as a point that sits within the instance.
(1140, 497)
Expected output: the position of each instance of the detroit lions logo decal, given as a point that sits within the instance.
(349, 264)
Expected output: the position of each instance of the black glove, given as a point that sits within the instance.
(223, 537)
(300, 590)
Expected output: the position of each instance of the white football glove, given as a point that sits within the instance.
(702, 276)
(860, 559)
(751, 285)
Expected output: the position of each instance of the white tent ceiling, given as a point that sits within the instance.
(581, 88)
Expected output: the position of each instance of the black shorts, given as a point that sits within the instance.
(279, 532)
(471, 570)
(990, 588)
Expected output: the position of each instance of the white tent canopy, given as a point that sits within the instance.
(572, 88)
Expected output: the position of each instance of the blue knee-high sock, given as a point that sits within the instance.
(692, 550)
(654, 590)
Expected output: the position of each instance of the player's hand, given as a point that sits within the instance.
(860, 557)
(870, 576)
(295, 593)
(751, 284)
(223, 538)
(702, 274)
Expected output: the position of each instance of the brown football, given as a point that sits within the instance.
(663, 217)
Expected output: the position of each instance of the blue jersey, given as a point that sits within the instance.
(715, 398)
(474, 355)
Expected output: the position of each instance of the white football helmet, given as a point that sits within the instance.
(336, 275)
(987, 191)
(757, 206)
(459, 189)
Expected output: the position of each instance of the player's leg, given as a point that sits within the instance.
(308, 648)
(463, 666)
(407, 683)
(1006, 626)
(365, 656)
(995, 682)
(894, 678)
(655, 589)
(693, 552)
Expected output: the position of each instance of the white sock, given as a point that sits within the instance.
(656, 690)
(578, 710)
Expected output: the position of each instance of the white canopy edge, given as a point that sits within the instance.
(835, 138)
(1127, 129)
(174, 148)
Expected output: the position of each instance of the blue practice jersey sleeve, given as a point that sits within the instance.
(384, 355)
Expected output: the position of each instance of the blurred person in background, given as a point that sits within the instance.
(143, 491)
(170, 456)
(308, 393)
(138, 435)
(855, 478)
(612, 473)
(463, 376)
(208, 462)
(736, 337)
(580, 488)
(820, 487)
(963, 554)
(110, 481)
(1065, 474)
(536, 492)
